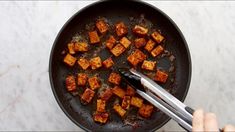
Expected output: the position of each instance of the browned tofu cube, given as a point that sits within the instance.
(119, 110)
(100, 105)
(157, 37)
(126, 102)
(102, 26)
(82, 79)
(125, 42)
(118, 91)
(150, 45)
(110, 42)
(71, 48)
(100, 117)
(145, 110)
(94, 82)
(95, 63)
(70, 83)
(139, 42)
(70, 60)
(140, 30)
(106, 95)
(130, 91)
(136, 101)
(148, 65)
(118, 49)
(114, 78)
(83, 63)
(161, 76)
(136, 57)
(87, 96)
(94, 38)
(121, 29)
(108, 63)
(81, 47)
(157, 51)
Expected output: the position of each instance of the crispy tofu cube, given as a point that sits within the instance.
(114, 78)
(118, 91)
(140, 30)
(139, 42)
(150, 45)
(125, 42)
(102, 26)
(81, 46)
(83, 63)
(70, 83)
(106, 95)
(126, 102)
(108, 63)
(94, 82)
(100, 117)
(148, 65)
(145, 110)
(118, 49)
(157, 51)
(121, 29)
(137, 102)
(136, 57)
(94, 38)
(157, 37)
(110, 42)
(71, 48)
(119, 110)
(130, 91)
(87, 96)
(161, 76)
(70, 60)
(95, 63)
(100, 105)
(82, 79)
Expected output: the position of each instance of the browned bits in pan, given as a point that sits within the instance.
(87, 96)
(161, 76)
(130, 91)
(83, 63)
(157, 37)
(94, 82)
(121, 29)
(70, 60)
(118, 50)
(100, 117)
(108, 63)
(150, 45)
(106, 95)
(157, 51)
(125, 42)
(100, 105)
(102, 26)
(126, 102)
(81, 47)
(119, 110)
(148, 65)
(136, 57)
(136, 101)
(114, 78)
(118, 91)
(140, 30)
(140, 42)
(82, 79)
(70, 83)
(110, 42)
(94, 38)
(71, 48)
(145, 110)
(95, 63)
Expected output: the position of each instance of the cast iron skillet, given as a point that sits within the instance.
(115, 11)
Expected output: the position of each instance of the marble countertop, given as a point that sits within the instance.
(27, 32)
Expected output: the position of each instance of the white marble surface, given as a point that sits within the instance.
(27, 32)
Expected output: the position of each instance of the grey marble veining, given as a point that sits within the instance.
(27, 32)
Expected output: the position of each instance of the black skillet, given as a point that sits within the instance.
(114, 11)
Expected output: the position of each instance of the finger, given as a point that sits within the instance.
(210, 122)
(229, 128)
(198, 120)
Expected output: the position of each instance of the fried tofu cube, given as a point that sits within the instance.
(121, 29)
(157, 51)
(136, 57)
(82, 79)
(106, 95)
(148, 65)
(118, 91)
(118, 50)
(130, 91)
(94, 82)
(137, 102)
(108, 63)
(110, 42)
(71, 48)
(150, 45)
(145, 110)
(70, 60)
(81, 46)
(161, 76)
(83, 63)
(139, 42)
(100, 117)
(87, 96)
(70, 83)
(114, 78)
(126, 102)
(95, 63)
(140, 30)
(102, 26)
(119, 110)
(94, 38)
(157, 37)
(100, 105)
(125, 42)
